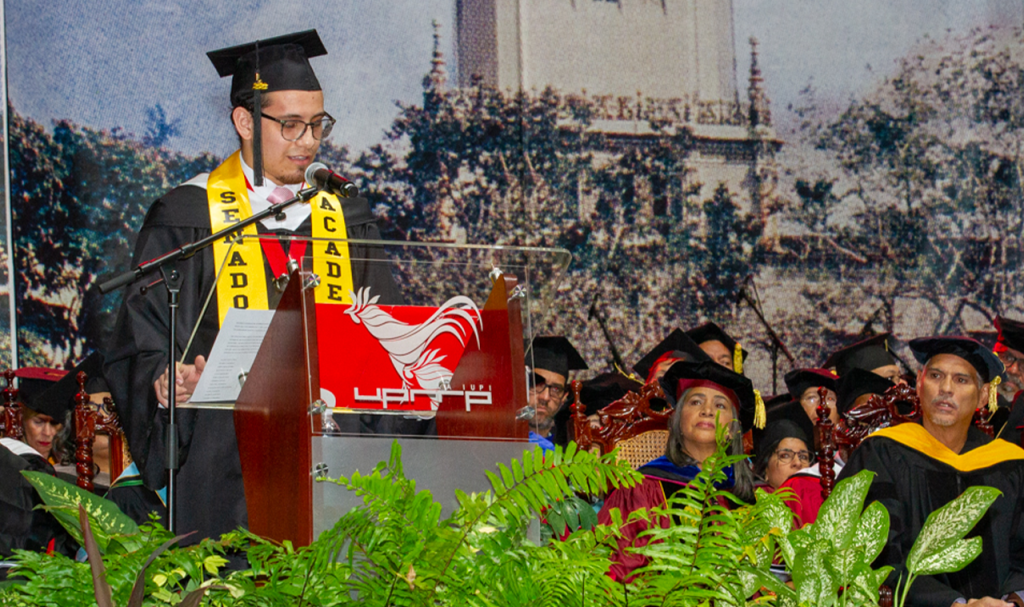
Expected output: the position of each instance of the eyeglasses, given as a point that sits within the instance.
(813, 399)
(555, 391)
(1008, 359)
(804, 457)
(293, 129)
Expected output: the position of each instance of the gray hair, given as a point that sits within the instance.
(743, 476)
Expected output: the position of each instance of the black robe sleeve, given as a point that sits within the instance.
(138, 353)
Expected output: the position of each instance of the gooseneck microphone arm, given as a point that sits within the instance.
(188, 250)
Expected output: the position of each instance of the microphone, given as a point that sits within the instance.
(324, 178)
(741, 294)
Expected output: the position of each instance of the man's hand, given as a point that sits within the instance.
(186, 379)
(986, 601)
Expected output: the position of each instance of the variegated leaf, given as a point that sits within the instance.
(839, 515)
(788, 551)
(815, 583)
(950, 523)
(775, 512)
(62, 499)
(866, 582)
(845, 563)
(872, 531)
(953, 558)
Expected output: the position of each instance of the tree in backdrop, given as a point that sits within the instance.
(932, 158)
(78, 197)
(480, 165)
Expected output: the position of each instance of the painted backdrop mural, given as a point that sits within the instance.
(855, 168)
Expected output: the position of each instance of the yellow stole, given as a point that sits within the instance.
(243, 282)
(917, 438)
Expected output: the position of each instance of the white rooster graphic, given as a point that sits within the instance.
(407, 345)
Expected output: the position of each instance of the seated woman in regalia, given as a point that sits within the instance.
(707, 395)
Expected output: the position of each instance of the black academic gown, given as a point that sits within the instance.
(15, 503)
(1010, 429)
(911, 485)
(210, 494)
(21, 525)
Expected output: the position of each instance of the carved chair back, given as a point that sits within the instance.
(629, 423)
(11, 419)
(90, 419)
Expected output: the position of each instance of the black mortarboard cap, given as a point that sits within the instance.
(265, 66)
(59, 398)
(282, 63)
(709, 331)
(791, 411)
(677, 344)
(798, 380)
(973, 351)
(1011, 333)
(867, 354)
(776, 401)
(555, 354)
(34, 380)
(605, 389)
(856, 383)
(777, 429)
(684, 375)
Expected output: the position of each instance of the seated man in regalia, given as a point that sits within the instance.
(921, 467)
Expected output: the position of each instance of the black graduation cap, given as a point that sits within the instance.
(677, 345)
(34, 380)
(777, 429)
(605, 389)
(798, 380)
(868, 354)
(556, 354)
(973, 351)
(265, 66)
(856, 383)
(791, 411)
(1011, 333)
(709, 331)
(779, 400)
(59, 398)
(684, 375)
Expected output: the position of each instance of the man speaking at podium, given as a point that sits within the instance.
(279, 116)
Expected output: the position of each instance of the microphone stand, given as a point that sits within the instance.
(775, 343)
(594, 313)
(172, 279)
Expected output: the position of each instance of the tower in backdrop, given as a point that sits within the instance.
(665, 49)
(651, 69)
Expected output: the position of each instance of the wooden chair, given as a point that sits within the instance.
(89, 419)
(630, 424)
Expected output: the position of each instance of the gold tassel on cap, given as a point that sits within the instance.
(993, 395)
(760, 415)
(631, 376)
(737, 359)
